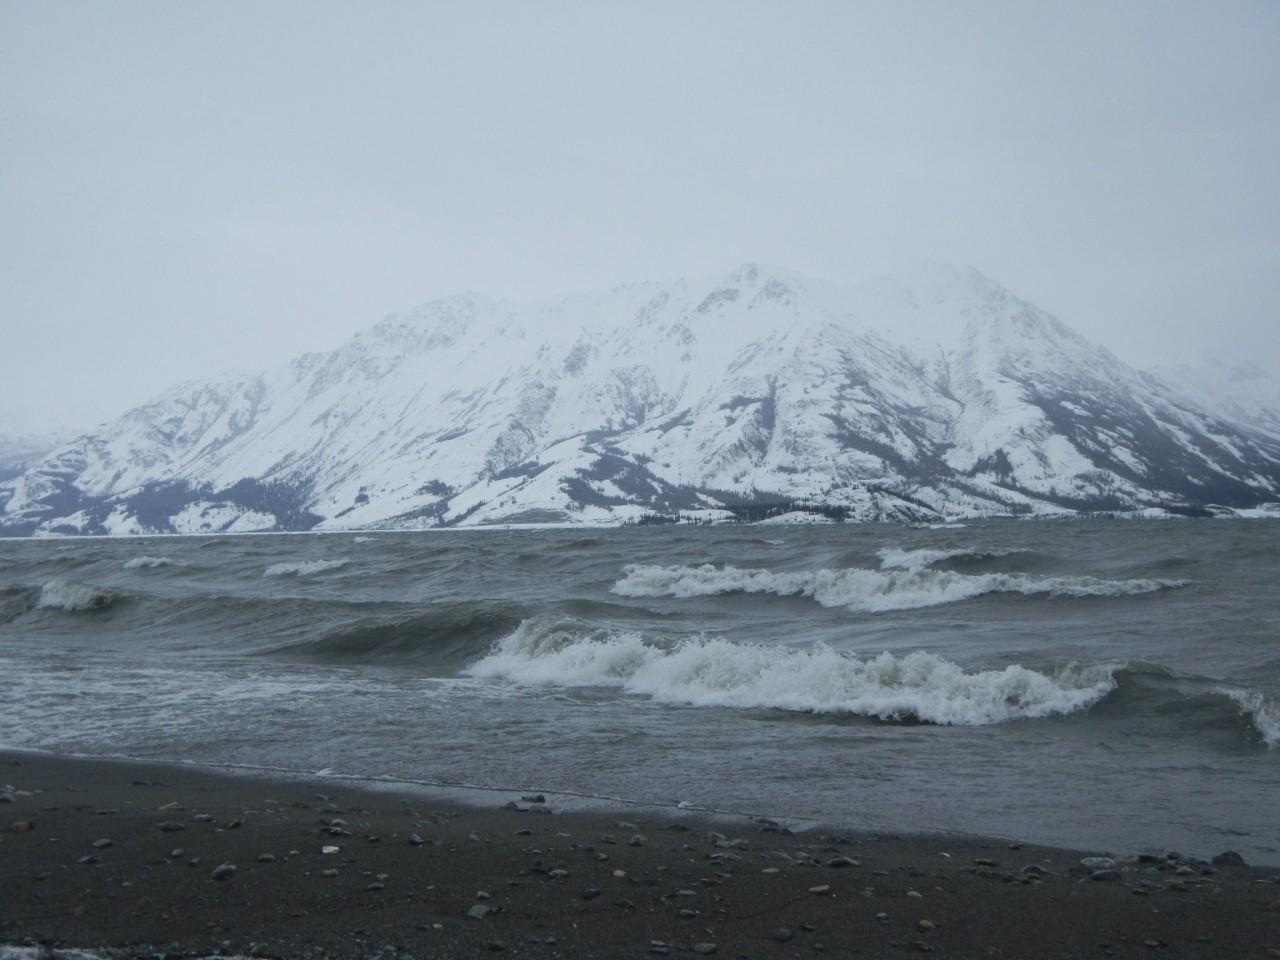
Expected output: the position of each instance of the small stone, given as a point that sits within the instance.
(479, 911)
(625, 904)
(174, 805)
(638, 840)
(533, 798)
(914, 893)
(558, 874)
(687, 914)
(820, 889)
(782, 934)
(415, 840)
(171, 826)
(658, 947)
(202, 818)
(843, 862)
(331, 872)
(177, 852)
(983, 862)
(6, 796)
(524, 832)
(88, 861)
(1228, 858)
(1153, 943)
(101, 844)
(590, 893)
(926, 925)
(1101, 875)
(22, 826)
(1098, 863)
(704, 948)
(224, 871)
(376, 886)
(329, 849)
(266, 858)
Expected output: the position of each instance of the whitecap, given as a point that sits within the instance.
(72, 596)
(714, 672)
(140, 563)
(303, 568)
(1263, 714)
(868, 591)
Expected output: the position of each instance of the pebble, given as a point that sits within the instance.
(914, 893)
(1228, 858)
(329, 849)
(1098, 863)
(331, 872)
(415, 840)
(266, 858)
(704, 948)
(101, 844)
(1105, 875)
(170, 826)
(376, 886)
(202, 818)
(88, 861)
(479, 911)
(927, 925)
(22, 826)
(782, 934)
(224, 871)
(639, 840)
(6, 796)
(533, 798)
(843, 862)
(820, 889)
(590, 893)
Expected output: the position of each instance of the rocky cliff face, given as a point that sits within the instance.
(934, 395)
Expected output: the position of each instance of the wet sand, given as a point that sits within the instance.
(132, 859)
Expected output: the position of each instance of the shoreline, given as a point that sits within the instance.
(131, 858)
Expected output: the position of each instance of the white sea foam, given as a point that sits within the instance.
(139, 563)
(716, 672)
(303, 568)
(895, 558)
(870, 591)
(72, 596)
(1264, 715)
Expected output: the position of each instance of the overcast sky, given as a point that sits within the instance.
(187, 188)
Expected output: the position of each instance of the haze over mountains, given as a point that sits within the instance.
(927, 395)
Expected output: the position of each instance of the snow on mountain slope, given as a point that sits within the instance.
(924, 395)
(1242, 392)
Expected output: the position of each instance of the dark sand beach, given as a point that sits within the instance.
(133, 859)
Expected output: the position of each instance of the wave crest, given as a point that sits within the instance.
(717, 672)
(304, 568)
(73, 596)
(147, 563)
(909, 585)
(1263, 714)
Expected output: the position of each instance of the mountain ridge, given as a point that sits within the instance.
(930, 396)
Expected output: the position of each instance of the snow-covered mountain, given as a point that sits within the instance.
(1239, 391)
(930, 395)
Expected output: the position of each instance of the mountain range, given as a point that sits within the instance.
(929, 395)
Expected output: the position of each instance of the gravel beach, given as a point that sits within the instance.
(131, 859)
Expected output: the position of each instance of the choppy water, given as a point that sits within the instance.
(1104, 684)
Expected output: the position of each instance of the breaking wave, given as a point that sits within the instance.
(1262, 714)
(147, 563)
(907, 583)
(894, 558)
(716, 672)
(304, 568)
(74, 597)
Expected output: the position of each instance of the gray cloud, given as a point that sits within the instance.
(187, 188)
